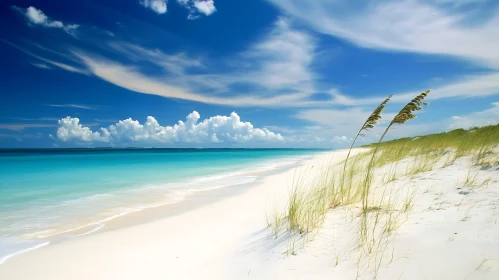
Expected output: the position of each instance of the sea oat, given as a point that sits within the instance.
(370, 123)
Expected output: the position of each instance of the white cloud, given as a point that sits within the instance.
(72, 106)
(341, 122)
(481, 85)
(486, 117)
(36, 16)
(460, 3)
(60, 65)
(158, 6)
(278, 66)
(332, 123)
(22, 126)
(70, 128)
(41, 65)
(206, 7)
(175, 64)
(335, 125)
(286, 56)
(278, 69)
(218, 129)
(407, 25)
(281, 60)
(196, 7)
(37, 119)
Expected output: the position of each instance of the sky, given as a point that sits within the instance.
(241, 74)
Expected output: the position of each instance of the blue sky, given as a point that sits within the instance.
(222, 73)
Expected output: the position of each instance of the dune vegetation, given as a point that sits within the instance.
(360, 183)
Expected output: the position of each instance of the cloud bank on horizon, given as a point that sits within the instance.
(218, 129)
(315, 68)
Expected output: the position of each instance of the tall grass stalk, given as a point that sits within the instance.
(329, 184)
(371, 122)
(403, 116)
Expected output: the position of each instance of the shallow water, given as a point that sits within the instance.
(48, 193)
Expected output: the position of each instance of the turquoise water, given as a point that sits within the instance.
(46, 194)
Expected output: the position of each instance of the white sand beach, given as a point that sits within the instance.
(451, 232)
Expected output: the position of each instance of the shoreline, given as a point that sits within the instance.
(191, 201)
(198, 199)
(451, 231)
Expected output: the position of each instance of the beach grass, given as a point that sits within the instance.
(363, 181)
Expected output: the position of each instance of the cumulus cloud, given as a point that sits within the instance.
(38, 17)
(158, 6)
(196, 7)
(206, 7)
(217, 129)
(70, 128)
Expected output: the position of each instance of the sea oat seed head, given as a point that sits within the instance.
(375, 115)
(407, 112)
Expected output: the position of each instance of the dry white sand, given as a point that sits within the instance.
(451, 233)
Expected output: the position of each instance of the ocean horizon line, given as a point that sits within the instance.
(152, 148)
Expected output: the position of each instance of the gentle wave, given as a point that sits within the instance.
(122, 203)
(91, 231)
(126, 211)
(4, 258)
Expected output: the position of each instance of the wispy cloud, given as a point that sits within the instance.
(277, 71)
(408, 25)
(336, 126)
(285, 58)
(175, 64)
(278, 67)
(280, 63)
(105, 120)
(57, 64)
(22, 126)
(341, 121)
(41, 65)
(37, 119)
(471, 86)
(20, 137)
(37, 17)
(72, 106)
(129, 78)
(486, 117)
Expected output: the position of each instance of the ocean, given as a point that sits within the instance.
(48, 194)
